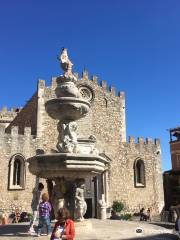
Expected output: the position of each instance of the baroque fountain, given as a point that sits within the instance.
(75, 159)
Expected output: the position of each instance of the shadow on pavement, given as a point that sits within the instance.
(14, 230)
(21, 230)
(164, 224)
(165, 236)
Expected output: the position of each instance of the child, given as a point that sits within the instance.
(44, 214)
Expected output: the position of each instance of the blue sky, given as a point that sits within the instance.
(132, 44)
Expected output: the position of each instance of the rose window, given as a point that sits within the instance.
(86, 93)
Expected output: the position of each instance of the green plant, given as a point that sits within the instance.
(117, 206)
(30, 216)
(126, 216)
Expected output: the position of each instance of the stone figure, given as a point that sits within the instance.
(102, 207)
(58, 193)
(80, 203)
(67, 137)
(93, 147)
(66, 65)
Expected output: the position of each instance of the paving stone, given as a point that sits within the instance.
(101, 230)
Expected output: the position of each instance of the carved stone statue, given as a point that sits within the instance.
(80, 203)
(67, 137)
(58, 193)
(66, 65)
(102, 207)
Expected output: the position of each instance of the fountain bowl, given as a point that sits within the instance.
(70, 108)
(69, 165)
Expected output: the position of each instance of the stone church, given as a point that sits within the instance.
(133, 175)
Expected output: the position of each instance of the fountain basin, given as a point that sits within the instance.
(66, 164)
(67, 108)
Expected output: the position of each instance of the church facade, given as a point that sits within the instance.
(133, 175)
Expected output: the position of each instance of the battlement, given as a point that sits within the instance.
(6, 117)
(102, 83)
(147, 141)
(13, 142)
(14, 131)
(12, 112)
(85, 77)
(41, 83)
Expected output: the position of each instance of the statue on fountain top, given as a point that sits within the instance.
(66, 65)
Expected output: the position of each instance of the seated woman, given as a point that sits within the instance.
(114, 216)
(143, 216)
(64, 227)
(17, 215)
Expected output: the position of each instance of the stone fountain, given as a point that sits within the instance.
(75, 159)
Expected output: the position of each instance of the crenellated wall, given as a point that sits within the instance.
(6, 117)
(106, 121)
(123, 178)
(12, 144)
(27, 117)
(106, 116)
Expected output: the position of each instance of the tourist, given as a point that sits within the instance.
(17, 215)
(3, 218)
(114, 216)
(64, 227)
(149, 214)
(44, 214)
(143, 216)
(35, 203)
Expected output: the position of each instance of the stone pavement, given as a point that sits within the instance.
(94, 229)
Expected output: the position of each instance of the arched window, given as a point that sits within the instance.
(139, 173)
(17, 172)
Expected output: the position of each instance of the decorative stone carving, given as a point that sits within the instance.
(86, 93)
(58, 193)
(80, 203)
(66, 65)
(66, 88)
(67, 141)
(93, 147)
(102, 208)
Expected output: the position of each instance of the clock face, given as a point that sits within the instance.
(86, 93)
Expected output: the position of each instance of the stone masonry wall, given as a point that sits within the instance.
(11, 144)
(6, 117)
(105, 122)
(27, 117)
(122, 182)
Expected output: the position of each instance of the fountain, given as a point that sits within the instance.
(75, 158)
